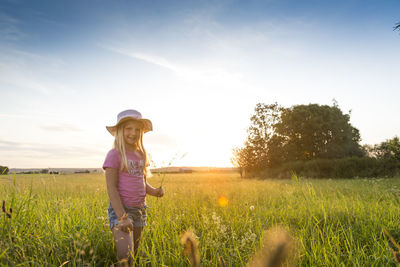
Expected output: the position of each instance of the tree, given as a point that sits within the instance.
(389, 149)
(316, 131)
(302, 132)
(397, 27)
(243, 158)
(261, 132)
(4, 170)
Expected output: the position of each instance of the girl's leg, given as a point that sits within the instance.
(137, 232)
(124, 244)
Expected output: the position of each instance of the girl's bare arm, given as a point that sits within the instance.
(112, 184)
(157, 192)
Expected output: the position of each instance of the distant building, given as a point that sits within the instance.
(85, 171)
(185, 170)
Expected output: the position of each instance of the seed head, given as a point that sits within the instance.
(222, 261)
(191, 248)
(278, 249)
(396, 256)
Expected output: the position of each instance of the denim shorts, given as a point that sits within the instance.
(138, 216)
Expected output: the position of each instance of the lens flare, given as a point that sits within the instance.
(222, 201)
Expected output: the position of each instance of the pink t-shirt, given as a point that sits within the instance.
(131, 184)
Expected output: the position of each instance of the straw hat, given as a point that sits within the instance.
(129, 115)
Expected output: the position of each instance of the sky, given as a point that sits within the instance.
(196, 69)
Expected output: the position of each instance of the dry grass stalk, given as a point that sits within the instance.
(5, 210)
(396, 254)
(191, 249)
(222, 261)
(278, 249)
(65, 262)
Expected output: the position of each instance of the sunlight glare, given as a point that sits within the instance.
(222, 201)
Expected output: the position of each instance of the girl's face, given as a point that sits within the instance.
(132, 131)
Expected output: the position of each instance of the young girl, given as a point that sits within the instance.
(126, 168)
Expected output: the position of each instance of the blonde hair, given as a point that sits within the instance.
(119, 144)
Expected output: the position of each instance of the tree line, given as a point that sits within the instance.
(311, 140)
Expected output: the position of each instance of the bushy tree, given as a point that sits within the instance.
(261, 134)
(389, 149)
(316, 131)
(244, 159)
(4, 170)
(302, 132)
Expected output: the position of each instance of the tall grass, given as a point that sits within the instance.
(62, 219)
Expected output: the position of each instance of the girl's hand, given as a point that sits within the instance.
(160, 192)
(125, 225)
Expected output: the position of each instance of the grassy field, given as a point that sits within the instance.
(62, 219)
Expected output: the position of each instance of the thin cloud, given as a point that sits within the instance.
(179, 70)
(161, 139)
(8, 143)
(13, 116)
(155, 60)
(213, 74)
(60, 128)
(53, 124)
(45, 150)
(50, 61)
(152, 59)
(45, 155)
(19, 78)
(9, 30)
(27, 70)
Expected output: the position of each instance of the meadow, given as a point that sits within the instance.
(62, 219)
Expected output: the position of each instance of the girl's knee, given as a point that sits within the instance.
(125, 250)
(125, 255)
(124, 262)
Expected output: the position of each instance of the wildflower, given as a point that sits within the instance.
(251, 207)
(248, 238)
(253, 237)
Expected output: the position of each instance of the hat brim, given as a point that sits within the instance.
(147, 125)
